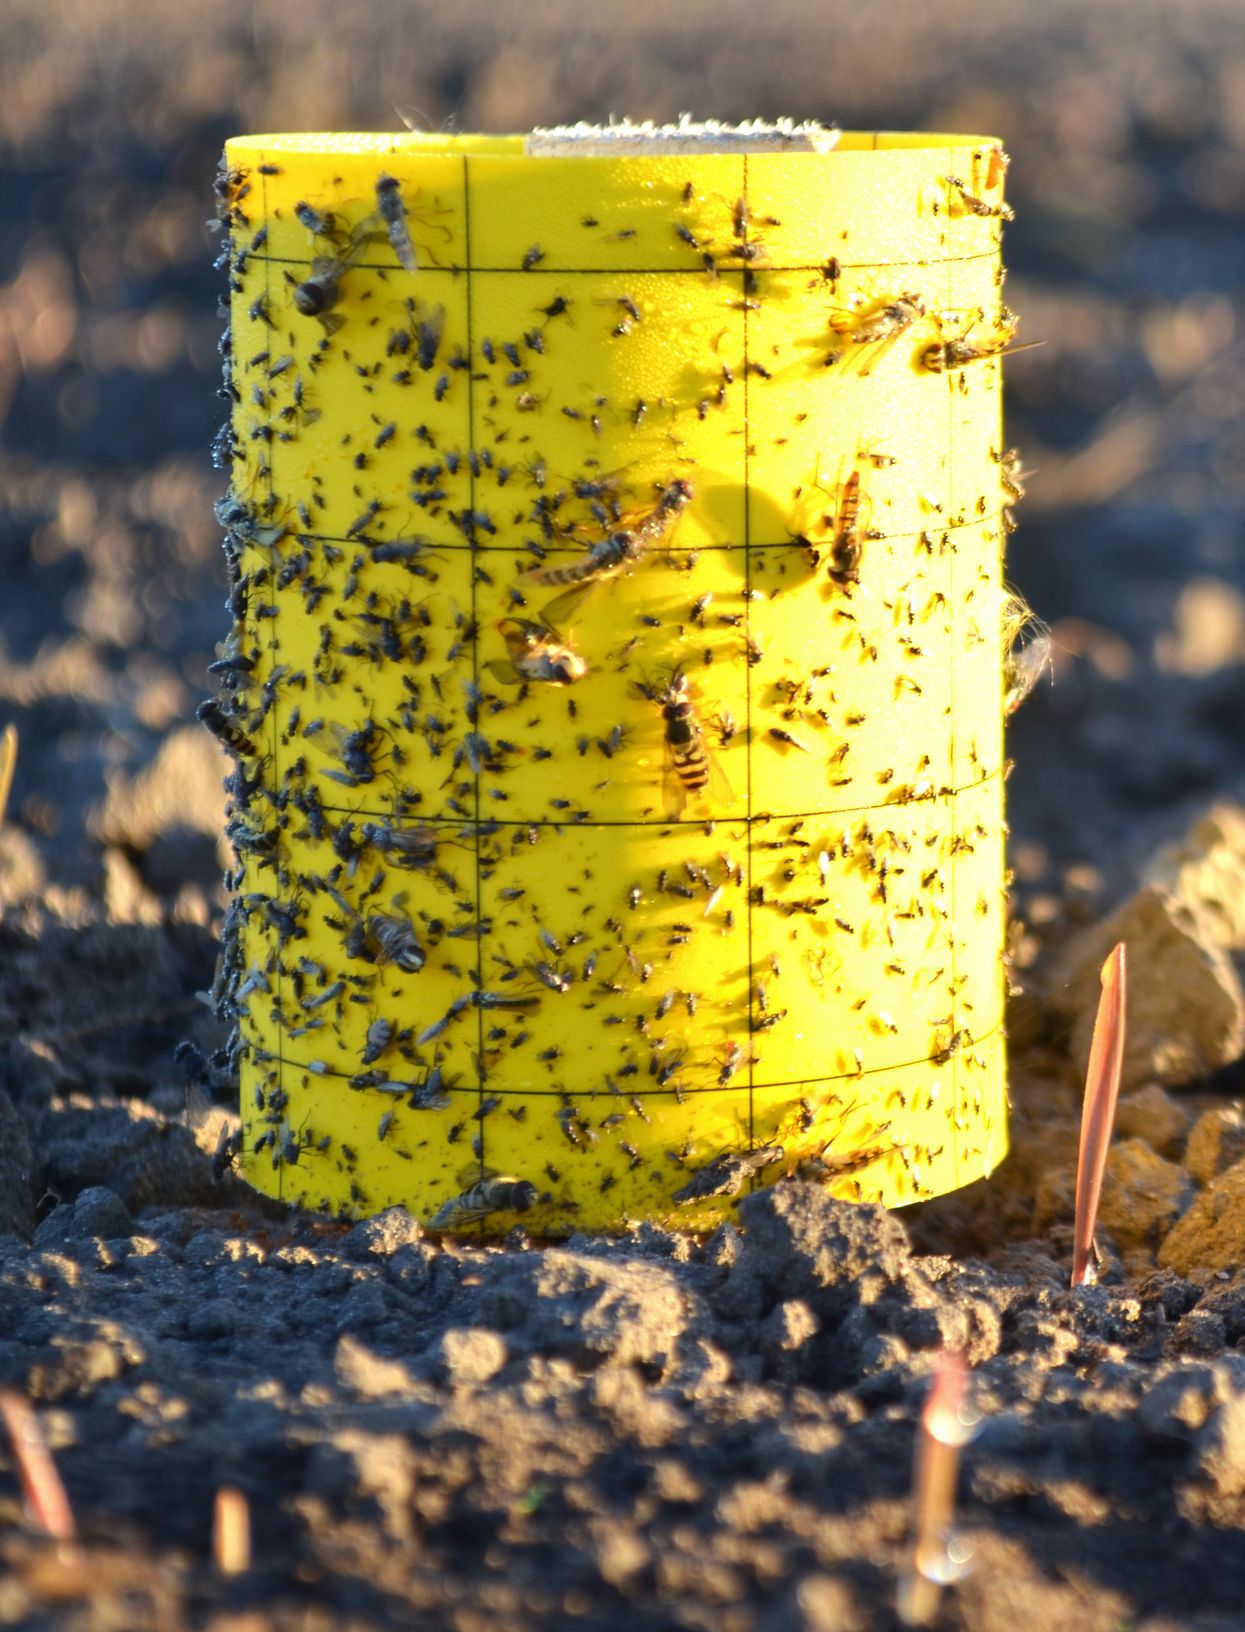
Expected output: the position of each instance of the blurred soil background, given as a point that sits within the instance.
(1126, 122)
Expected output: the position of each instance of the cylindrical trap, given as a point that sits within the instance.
(615, 531)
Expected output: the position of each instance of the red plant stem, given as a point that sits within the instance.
(41, 1484)
(231, 1532)
(1102, 1087)
(944, 1429)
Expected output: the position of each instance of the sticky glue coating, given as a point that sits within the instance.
(616, 675)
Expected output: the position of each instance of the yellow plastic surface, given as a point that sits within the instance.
(803, 971)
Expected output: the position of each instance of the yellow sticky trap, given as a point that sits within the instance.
(616, 680)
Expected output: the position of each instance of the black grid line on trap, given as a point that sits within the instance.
(274, 649)
(475, 659)
(314, 1069)
(937, 525)
(386, 268)
(758, 819)
(748, 898)
(955, 1143)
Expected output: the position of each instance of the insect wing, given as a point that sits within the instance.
(503, 670)
(877, 349)
(1023, 670)
(561, 610)
(718, 789)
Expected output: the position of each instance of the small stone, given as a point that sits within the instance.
(1220, 1449)
(826, 1605)
(621, 1554)
(1045, 1342)
(21, 870)
(1152, 1114)
(17, 1200)
(1216, 1143)
(353, 1463)
(54, 1230)
(1185, 1009)
(1205, 870)
(470, 1355)
(1211, 1235)
(883, 1353)
(560, 1302)
(1208, 628)
(127, 1146)
(365, 1304)
(370, 1375)
(1142, 1195)
(1176, 1405)
(181, 788)
(1169, 1292)
(674, 1481)
(789, 1326)
(383, 1234)
(210, 1319)
(100, 1211)
(1200, 1332)
(801, 1243)
(723, 1248)
(79, 1364)
(1054, 1197)
(1226, 1298)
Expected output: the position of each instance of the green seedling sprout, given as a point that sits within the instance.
(1102, 1087)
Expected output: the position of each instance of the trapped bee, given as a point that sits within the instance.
(495, 1194)
(220, 721)
(691, 769)
(616, 551)
(535, 652)
(879, 324)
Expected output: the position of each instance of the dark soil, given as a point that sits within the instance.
(653, 1431)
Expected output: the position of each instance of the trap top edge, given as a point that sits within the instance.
(596, 142)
